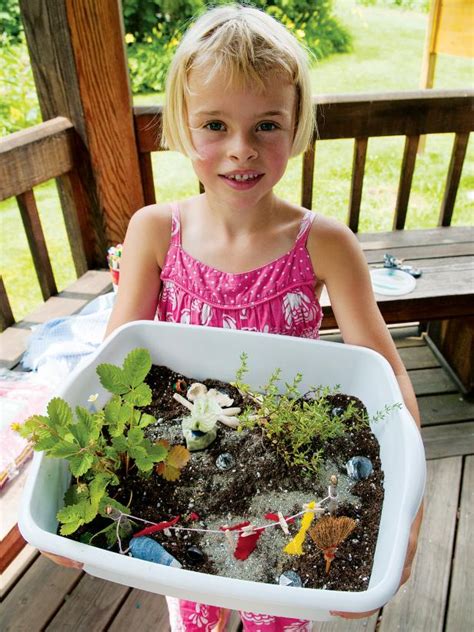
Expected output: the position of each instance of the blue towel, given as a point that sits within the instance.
(58, 345)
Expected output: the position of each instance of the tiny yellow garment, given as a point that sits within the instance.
(295, 547)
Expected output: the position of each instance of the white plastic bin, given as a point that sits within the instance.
(203, 352)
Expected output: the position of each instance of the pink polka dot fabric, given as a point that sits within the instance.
(277, 298)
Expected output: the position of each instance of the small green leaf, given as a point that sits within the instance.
(60, 415)
(80, 463)
(120, 443)
(139, 396)
(112, 378)
(146, 420)
(70, 527)
(112, 409)
(88, 424)
(136, 366)
(156, 452)
(135, 436)
(97, 489)
(63, 450)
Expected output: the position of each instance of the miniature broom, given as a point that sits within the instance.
(329, 533)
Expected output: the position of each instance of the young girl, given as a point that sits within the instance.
(239, 106)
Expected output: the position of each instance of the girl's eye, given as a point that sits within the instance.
(215, 126)
(266, 126)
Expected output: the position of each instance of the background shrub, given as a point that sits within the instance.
(154, 29)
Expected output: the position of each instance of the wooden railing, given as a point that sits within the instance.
(53, 150)
(409, 114)
(29, 158)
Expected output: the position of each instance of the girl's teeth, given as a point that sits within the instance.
(244, 176)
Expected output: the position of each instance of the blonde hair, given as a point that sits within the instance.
(247, 45)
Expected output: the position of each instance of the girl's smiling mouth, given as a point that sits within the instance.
(242, 180)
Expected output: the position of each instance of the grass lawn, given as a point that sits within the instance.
(386, 56)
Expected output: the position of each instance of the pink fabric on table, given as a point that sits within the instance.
(277, 298)
(21, 395)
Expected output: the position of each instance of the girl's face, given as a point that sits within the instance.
(243, 136)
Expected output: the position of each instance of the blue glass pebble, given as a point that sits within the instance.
(359, 467)
(337, 411)
(290, 578)
(225, 461)
(149, 550)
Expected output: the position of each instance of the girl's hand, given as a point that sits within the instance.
(412, 544)
(62, 561)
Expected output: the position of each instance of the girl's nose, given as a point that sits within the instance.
(242, 148)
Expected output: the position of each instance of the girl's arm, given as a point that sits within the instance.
(144, 250)
(340, 263)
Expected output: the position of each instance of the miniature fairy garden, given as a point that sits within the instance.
(275, 486)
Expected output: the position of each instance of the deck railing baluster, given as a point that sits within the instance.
(454, 176)
(146, 170)
(39, 252)
(307, 177)
(406, 179)
(357, 181)
(6, 314)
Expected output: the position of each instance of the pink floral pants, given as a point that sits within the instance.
(188, 616)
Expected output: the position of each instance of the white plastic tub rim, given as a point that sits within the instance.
(203, 352)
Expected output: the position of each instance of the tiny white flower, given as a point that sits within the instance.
(93, 398)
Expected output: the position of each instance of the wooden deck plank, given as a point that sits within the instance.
(461, 607)
(445, 408)
(13, 340)
(418, 357)
(448, 440)
(103, 599)
(37, 596)
(420, 605)
(410, 238)
(431, 382)
(142, 611)
(16, 568)
(346, 625)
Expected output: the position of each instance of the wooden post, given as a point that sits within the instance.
(79, 63)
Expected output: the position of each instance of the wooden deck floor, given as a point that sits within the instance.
(44, 596)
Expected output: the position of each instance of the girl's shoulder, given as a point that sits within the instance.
(151, 226)
(331, 245)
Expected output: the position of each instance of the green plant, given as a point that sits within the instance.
(296, 424)
(19, 106)
(101, 445)
(154, 28)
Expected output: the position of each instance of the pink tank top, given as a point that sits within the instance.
(277, 298)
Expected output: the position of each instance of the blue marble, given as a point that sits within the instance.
(290, 578)
(359, 467)
(225, 461)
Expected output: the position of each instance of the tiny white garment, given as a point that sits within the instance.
(392, 282)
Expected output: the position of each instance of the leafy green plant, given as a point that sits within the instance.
(101, 445)
(19, 106)
(155, 27)
(296, 424)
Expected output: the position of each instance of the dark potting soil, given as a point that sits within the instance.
(257, 482)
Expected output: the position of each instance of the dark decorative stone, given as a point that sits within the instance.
(225, 461)
(337, 411)
(290, 578)
(195, 555)
(359, 467)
